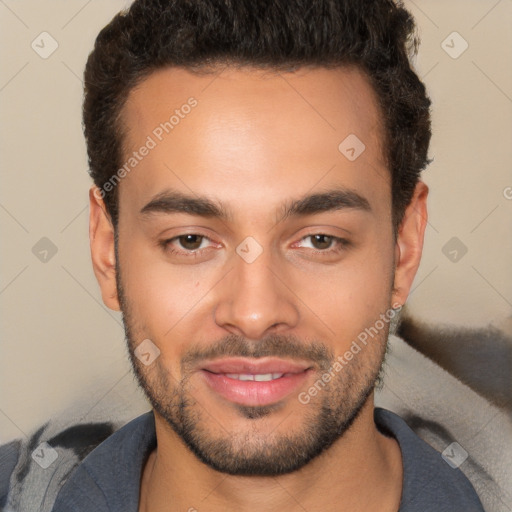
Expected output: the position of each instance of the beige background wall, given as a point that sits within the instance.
(60, 347)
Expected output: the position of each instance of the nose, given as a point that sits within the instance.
(255, 299)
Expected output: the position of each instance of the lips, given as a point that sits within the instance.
(254, 382)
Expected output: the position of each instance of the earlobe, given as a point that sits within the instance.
(409, 244)
(101, 238)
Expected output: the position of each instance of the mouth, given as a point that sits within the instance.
(253, 382)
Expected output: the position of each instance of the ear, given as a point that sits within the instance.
(101, 238)
(409, 244)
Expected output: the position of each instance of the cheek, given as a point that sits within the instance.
(163, 298)
(351, 296)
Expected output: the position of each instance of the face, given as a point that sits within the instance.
(254, 252)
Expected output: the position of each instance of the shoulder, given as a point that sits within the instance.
(431, 482)
(33, 470)
(108, 478)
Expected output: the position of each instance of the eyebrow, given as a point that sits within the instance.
(330, 200)
(177, 202)
(171, 201)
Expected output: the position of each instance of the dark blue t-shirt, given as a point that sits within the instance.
(108, 479)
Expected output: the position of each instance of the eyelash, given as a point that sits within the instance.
(166, 244)
(341, 244)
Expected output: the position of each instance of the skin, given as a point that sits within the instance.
(255, 142)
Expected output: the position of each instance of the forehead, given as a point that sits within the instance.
(237, 131)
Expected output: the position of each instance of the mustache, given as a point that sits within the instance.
(274, 345)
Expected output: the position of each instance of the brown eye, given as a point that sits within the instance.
(324, 245)
(189, 246)
(321, 241)
(190, 242)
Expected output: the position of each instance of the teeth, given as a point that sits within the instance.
(259, 377)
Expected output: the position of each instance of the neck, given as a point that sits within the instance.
(361, 471)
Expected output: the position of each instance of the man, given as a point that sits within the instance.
(257, 207)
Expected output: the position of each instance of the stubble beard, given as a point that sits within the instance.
(252, 451)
